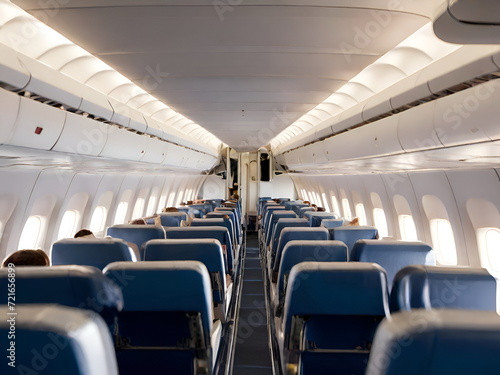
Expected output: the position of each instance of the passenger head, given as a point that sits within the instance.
(84, 233)
(140, 221)
(354, 221)
(320, 209)
(170, 209)
(27, 258)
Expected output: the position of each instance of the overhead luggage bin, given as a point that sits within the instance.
(416, 130)
(51, 84)
(9, 108)
(82, 135)
(37, 126)
(124, 144)
(12, 72)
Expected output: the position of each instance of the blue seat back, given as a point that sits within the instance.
(74, 286)
(429, 287)
(208, 251)
(332, 223)
(392, 255)
(302, 211)
(95, 252)
(351, 233)
(331, 312)
(267, 214)
(437, 342)
(297, 233)
(172, 219)
(316, 218)
(230, 223)
(299, 251)
(273, 219)
(219, 233)
(235, 218)
(137, 234)
(280, 225)
(168, 306)
(52, 339)
(165, 286)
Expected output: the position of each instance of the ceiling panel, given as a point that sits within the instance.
(260, 57)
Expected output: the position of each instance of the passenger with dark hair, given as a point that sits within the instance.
(84, 233)
(27, 258)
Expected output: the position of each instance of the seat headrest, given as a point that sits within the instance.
(392, 255)
(60, 340)
(429, 287)
(336, 288)
(95, 252)
(73, 286)
(437, 342)
(165, 286)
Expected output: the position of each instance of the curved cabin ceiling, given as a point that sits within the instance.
(243, 70)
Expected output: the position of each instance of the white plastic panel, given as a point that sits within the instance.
(313, 153)
(32, 116)
(176, 156)
(52, 84)
(375, 139)
(348, 118)
(9, 108)
(121, 112)
(484, 29)
(324, 129)
(409, 90)
(490, 124)
(459, 118)
(416, 128)
(464, 64)
(377, 105)
(96, 104)
(11, 69)
(156, 151)
(137, 121)
(82, 136)
(123, 144)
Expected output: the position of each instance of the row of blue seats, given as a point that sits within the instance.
(332, 312)
(313, 342)
(158, 314)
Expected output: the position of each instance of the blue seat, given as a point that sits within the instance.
(208, 251)
(280, 225)
(332, 223)
(166, 325)
(296, 252)
(273, 219)
(95, 252)
(429, 287)
(74, 286)
(235, 218)
(219, 233)
(217, 219)
(137, 234)
(301, 212)
(52, 340)
(435, 342)
(316, 218)
(331, 313)
(295, 233)
(392, 255)
(351, 233)
(267, 214)
(172, 219)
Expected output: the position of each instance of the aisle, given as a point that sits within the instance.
(252, 354)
